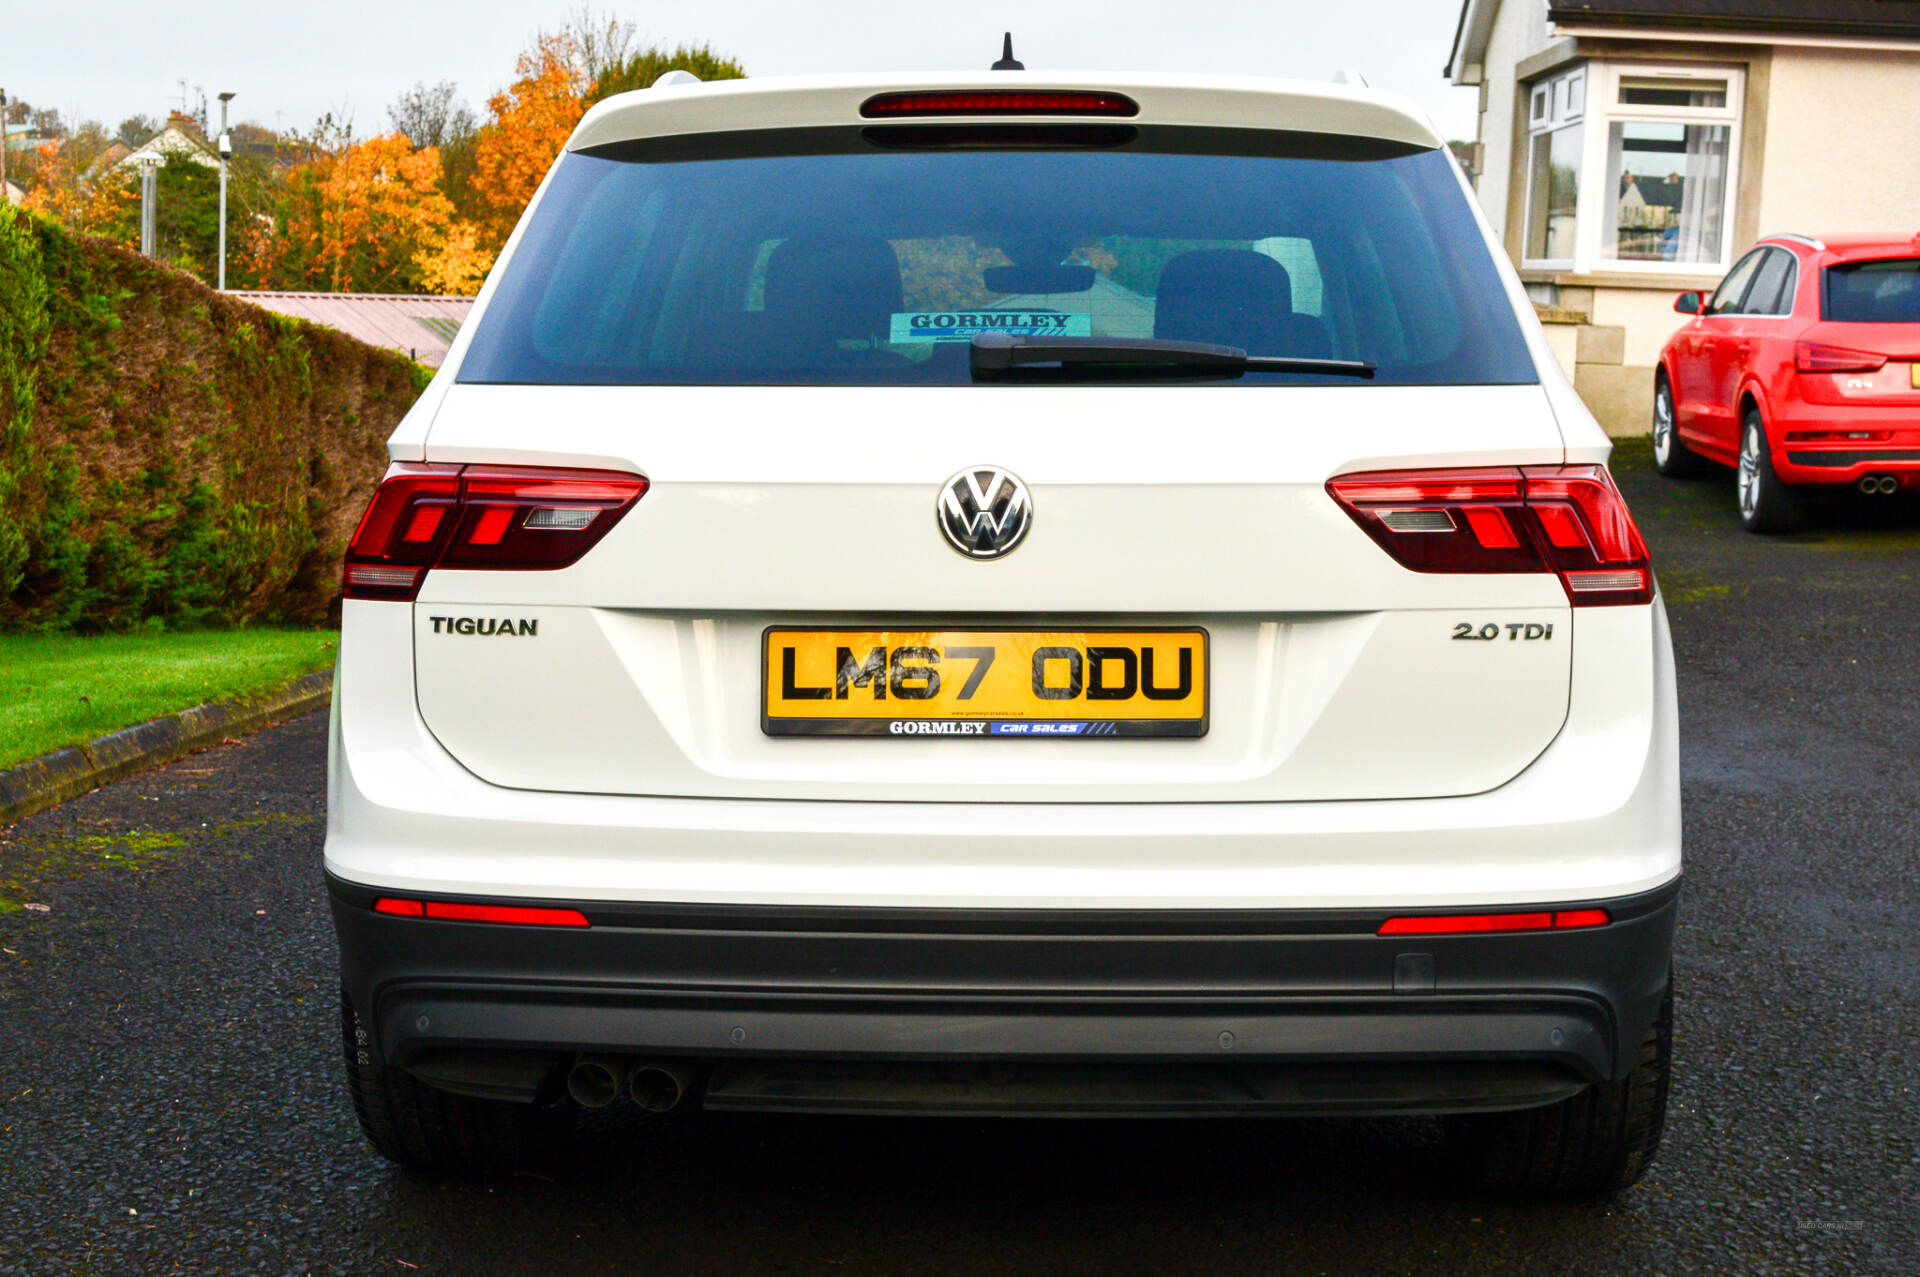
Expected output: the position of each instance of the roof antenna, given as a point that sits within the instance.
(1007, 62)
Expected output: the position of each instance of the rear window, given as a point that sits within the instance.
(827, 257)
(1884, 292)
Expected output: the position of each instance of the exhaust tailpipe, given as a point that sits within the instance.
(1879, 484)
(658, 1087)
(594, 1081)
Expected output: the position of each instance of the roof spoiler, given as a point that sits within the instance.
(1798, 238)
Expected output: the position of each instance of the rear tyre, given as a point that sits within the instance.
(415, 1125)
(1766, 504)
(1671, 456)
(1599, 1141)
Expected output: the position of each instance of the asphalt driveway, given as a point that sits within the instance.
(170, 1097)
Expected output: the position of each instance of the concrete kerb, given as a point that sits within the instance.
(54, 778)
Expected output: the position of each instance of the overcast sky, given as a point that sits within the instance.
(290, 62)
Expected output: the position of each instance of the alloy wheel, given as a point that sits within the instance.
(1749, 477)
(1662, 425)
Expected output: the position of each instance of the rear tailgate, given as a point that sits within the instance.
(1331, 670)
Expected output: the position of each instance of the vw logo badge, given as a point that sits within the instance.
(984, 511)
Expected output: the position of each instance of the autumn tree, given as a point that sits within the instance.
(556, 79)
(136, 129)
(70, 182)
(530, 121)
(367, 217)
(432, 115)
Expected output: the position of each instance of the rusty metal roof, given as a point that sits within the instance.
(420, 327)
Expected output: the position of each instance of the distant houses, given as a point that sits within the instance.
(181, 139)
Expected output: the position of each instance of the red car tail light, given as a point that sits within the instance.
(1569, 520)
(461, 911)
(1465, 923)
(494, 518)
(975, 102)
(1811, 356)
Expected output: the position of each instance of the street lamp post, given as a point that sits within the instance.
(226, 153)
(149, 163)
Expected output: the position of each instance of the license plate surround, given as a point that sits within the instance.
(1140, 715)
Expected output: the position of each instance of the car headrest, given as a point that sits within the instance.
(836, 286)
(1227, 296)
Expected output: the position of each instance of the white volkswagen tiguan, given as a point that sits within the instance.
(1006, 594)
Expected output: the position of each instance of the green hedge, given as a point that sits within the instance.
(170, 456)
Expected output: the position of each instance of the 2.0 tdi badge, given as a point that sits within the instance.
(984, 511)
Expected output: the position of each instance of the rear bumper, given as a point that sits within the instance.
(1253, 1006)
(1894, 447)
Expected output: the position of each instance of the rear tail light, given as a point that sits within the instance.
(461, 911)
(890, 106)
(1569, 520)
(492, 518)
(1464, 923)
(1810, 356)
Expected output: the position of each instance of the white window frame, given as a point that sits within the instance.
(1549, 109)
(1606, 79)
(1602, 111)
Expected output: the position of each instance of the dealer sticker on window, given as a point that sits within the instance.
(965, 325)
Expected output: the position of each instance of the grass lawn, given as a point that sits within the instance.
(64, 690)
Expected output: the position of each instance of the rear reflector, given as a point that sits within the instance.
(1569, 520)
(1811, 356)
(459, 911)
(1462, 923)
(1817, 436)
(492, 518)
(893, 106)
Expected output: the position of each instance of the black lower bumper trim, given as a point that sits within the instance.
(1078, 1090)
(1841, 460)
(731, 988)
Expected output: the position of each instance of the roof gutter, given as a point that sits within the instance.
(1694, 20)
(1746, 33)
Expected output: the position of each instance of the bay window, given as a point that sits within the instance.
(1661, 142)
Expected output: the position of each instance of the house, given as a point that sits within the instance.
(1631, 149)
(22, 137)
(107, 161)
(419, 327)
(179, 140)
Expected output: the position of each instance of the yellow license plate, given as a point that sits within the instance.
(1913, 371)
(1025, 683)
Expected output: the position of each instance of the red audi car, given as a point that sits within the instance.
(1801, 371)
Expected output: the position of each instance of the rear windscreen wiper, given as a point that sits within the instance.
(1003, 357)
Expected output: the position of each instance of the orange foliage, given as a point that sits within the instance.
(531, 122)
(458, 265)
(66, 192)
(371, 218)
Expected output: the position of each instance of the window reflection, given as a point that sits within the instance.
(1553, 192)
(1667, 192)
